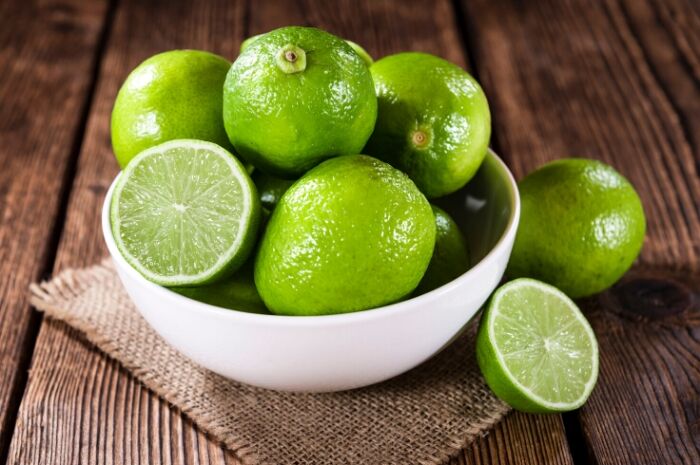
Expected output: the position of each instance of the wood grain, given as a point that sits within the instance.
(579, 86)
(41, 43)
(80, 407)
(619, 82)
(96, 411)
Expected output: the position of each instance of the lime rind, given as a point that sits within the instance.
(518, 395)
(239, 249)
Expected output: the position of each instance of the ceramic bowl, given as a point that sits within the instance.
(346, 351)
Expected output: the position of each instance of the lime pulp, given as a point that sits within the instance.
(536, 349)
(185, 213)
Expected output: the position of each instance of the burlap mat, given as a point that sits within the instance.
(425, 416)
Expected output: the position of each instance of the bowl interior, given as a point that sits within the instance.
(483, 208)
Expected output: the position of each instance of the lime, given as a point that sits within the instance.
(185, 213)
(450, 257)
(358, 49)
(237, 292)
(270, 188)
(352, 234)
(581, 226)
(247, 42)
(536, 349)
(295, 97)
(433, 121)
(361, 51)
(172, 95)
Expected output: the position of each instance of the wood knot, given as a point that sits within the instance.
(652, 298)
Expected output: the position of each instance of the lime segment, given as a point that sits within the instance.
(536, 349)
(185, 213)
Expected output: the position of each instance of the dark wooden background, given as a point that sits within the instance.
(617, 80)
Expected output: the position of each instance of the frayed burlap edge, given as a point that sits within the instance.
(52, 296)
(47, 297)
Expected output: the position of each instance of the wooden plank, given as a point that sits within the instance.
(96, 411)
(41, 43)
(80, 407)
(618, 82)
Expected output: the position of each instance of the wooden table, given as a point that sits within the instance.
(617, 80)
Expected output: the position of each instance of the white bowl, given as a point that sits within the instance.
(338, 352)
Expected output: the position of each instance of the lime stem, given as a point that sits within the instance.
(419, 138)
(291, 59)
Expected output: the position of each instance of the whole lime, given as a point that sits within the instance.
(352, 234)
(295, 97)
(236, 292)
(450, 257)
(581, 226)
(366, 57)
(172, 95)
(270, 188)
(247, 42)
(433, 121)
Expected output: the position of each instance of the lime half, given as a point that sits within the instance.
(185, 213)
(536, 349)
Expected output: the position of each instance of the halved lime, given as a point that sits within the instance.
(536, 349)
(185, 213)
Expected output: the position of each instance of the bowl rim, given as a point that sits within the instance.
(322, 320)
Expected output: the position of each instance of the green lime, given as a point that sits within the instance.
(247, 42)
(433, 121)
(536, 349)
(361, 51)
(450, 257)
(237, 292)
(270, 188)
(352, 234)
(358, 49)
(581, 226)
(185, 213)
(172, 95)
(295, 97)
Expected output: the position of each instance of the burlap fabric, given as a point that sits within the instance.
(422, 417)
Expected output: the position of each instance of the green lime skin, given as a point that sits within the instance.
(352, 234)
(172, 95)
(295, 97)
(450, 257)
(270, 188)
(237, 292)
(433, 121)
(581, 226)
(247, 42)
(358, 49)
(366, 57)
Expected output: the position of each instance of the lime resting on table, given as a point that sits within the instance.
(185, 213)
(536, 349)
(581, 226)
